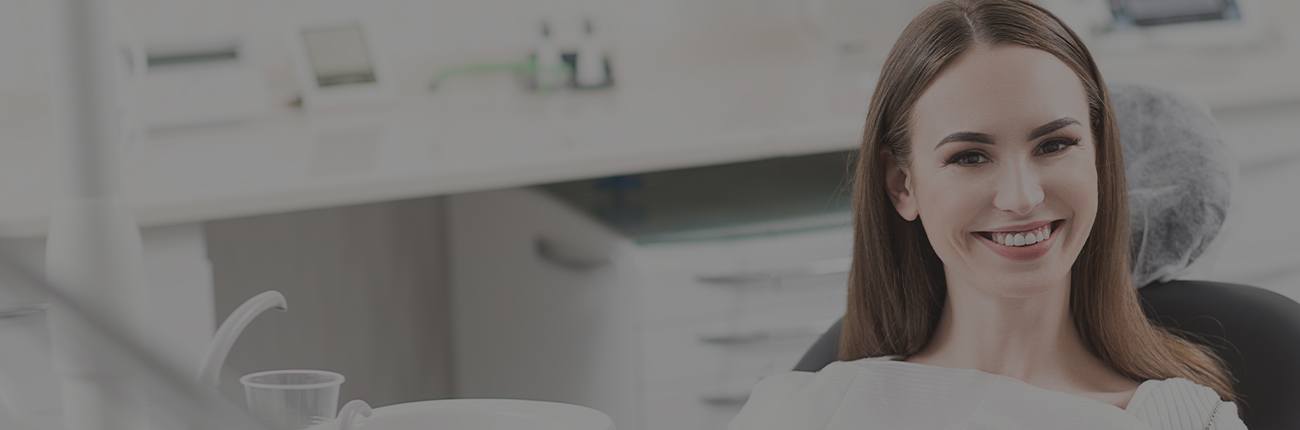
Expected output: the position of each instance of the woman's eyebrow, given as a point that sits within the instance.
(966, 136)
(1042, 130)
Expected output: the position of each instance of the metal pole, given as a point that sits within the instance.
(94, 248)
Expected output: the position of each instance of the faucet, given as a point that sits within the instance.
(210, 369)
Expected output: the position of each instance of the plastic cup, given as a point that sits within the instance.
(292, 399)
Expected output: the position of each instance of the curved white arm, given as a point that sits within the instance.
(210, 370)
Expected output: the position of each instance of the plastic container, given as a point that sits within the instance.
(292, 399)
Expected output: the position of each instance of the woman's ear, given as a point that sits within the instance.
(898, 182)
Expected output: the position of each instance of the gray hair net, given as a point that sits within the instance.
(1179, 175)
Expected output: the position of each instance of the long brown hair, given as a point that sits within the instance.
(897, 287)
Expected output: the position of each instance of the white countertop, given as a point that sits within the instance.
(419, 147)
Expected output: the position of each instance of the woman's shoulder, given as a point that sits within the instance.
(1181, 400)
(835, 367)
(832, 381)
(794, 399)
(1182, 389)
(798, 399)
(826, 384)
(829, 377)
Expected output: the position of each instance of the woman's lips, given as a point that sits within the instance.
(1022, 253)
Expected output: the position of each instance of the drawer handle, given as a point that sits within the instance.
(549, 251)
(816, 268)
(735, 338)
(756, 336)
(725, 399)
(21, 311)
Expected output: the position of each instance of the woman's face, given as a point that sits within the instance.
(1002, 173)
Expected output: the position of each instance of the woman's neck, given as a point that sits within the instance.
(1027, 335)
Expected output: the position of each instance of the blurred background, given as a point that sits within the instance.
(635, 206)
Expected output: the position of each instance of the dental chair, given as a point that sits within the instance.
(1178, 179)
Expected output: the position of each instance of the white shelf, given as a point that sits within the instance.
(411, 149)
(714, 89)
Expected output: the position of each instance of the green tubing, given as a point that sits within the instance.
(524, 68)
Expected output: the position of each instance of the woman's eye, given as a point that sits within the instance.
(1057, 145)
(967, 159)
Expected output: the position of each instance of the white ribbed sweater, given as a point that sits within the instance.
(882, 393)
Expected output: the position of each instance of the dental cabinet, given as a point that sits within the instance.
(658, 298)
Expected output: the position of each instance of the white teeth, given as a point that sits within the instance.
(1023, 238)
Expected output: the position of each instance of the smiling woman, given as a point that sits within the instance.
(1011, 160)
(990, 262)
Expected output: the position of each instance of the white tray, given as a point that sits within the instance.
(486, 414)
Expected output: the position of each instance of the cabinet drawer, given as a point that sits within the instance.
(692, 283)
(694, 353)
(544, 305)
(692, 303)
(756, 252)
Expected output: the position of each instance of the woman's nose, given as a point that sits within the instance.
(1018, 190)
